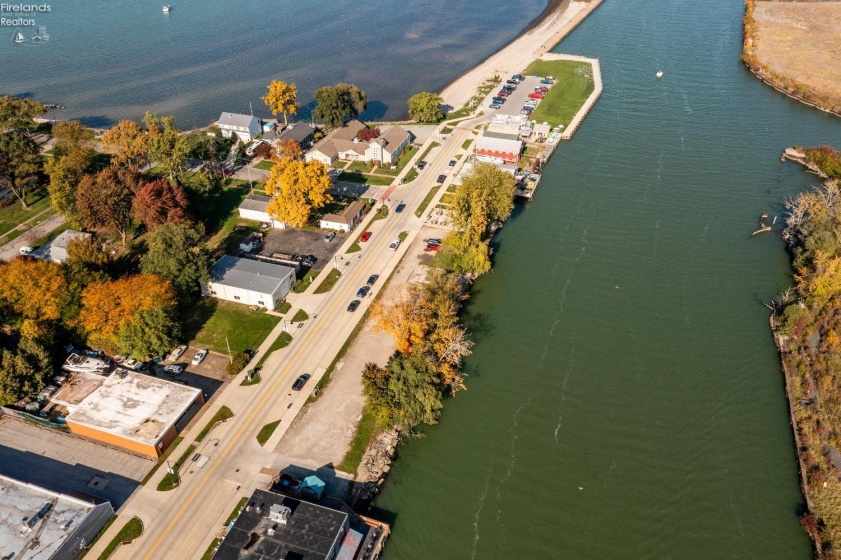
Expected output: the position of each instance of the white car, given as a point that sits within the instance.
(173, 370)
(250, 150)
(394, 245)
(200, 355)
(177, 353)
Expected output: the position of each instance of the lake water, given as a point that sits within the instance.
(625, 398)
(109, 60)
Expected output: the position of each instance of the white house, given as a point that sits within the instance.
(345, 221)
(56, 250)
(247, 127)
(254, 207)
(343, 143)
(249, 282)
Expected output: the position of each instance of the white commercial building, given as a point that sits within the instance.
(247, 127)
(250, 282)
(255, 207)
(36, 523)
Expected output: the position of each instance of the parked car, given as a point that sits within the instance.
(494, 106)
(442, 178)
(545, 81)
(131, 364)
(373, 279)
(432, 248)
(541, 89)
(499, 100)
(502, 94)
(177, 353)
(26, 250)
(308, 260)
(452, 163)
(433, 241)
(329, 237)
(353, 305)
(200, 355)
(535, 95)
(300, 382)
(365, 236)
(400, 208)
(174, 369)
(363, 291)
(511, 81)
(421, 165)
(394, 245)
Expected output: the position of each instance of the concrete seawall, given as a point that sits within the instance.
(573, 125)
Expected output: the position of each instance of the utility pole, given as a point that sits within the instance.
(230, 355)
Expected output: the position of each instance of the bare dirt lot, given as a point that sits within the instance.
(800, 41)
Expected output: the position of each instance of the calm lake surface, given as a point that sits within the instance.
(625, 398)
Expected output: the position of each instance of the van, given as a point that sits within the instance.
(26, 250)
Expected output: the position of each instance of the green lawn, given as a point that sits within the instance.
(221, 415)
(356, 177)
(401, 162)
(305, 281)
(129, 532)
(432, 192)
(446, 130)
(281, 341)
(403, 235)
(266, 164)
(466, 143)
(426, 153)
(211, 321)
(328, 283)
(283, 307)
(300, 315)
(573, 85)
(255, 379)
(266, 432)
(365, 431)
(359, 166)
(170, 481)
(224, 217)
(410, 176)
(15, 214)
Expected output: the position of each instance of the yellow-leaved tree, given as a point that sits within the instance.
(297, 188)
(281, 98)
(33, 288)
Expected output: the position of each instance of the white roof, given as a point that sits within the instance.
(502, 145)
(238, 120)
(56, 250)
(134, 406)
(249, 274)
(18, 500)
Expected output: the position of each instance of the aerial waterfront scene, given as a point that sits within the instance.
(420, 280)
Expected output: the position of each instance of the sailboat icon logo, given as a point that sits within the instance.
(42, 36)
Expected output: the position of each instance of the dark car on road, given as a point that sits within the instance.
(373, 279)
(452, 163)
(421, 165)
(433, 241)
(300, 382)
(442, 178)
(363, 291)
(400, 208)
(353, 305)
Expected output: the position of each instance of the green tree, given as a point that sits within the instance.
(375, 381)
(167, 146)
(104, 200)
(336, 104)
(126, 143)
(425, 107)
(150, 333)
(281, 98)
(86, 262)
(19, 164)
(23, 371)
(416, 397)
(177, 253)
(73, 145)
(64, 181)
(19, 113)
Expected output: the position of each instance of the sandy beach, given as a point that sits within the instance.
(539, 37)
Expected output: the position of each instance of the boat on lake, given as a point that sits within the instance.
(166, 9)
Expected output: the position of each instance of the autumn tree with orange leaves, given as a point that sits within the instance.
(159, 202)
(297, 188)
(32, 288)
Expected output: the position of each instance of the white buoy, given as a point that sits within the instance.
(659, 74)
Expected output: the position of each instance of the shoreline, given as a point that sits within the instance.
(543, 33)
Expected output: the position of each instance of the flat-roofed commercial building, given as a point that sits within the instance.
(249, 281)
(127, 409)
(36, 523)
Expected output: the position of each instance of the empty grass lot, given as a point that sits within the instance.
(573, 85)
(212, 320)
(15, 214)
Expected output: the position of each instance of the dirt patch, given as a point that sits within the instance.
(798, 41)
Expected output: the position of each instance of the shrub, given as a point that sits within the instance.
(238, 363)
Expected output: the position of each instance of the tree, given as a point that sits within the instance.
(159, 202)
(73, 146)
(126, 142)
(108, 306)
(281, 98)
(18, 113)
(415, 397)
(167, 146)
(64, 181)
(425, 107)
(406, 317)
(265, 151)
(297, 188)
(23, 371)
(151, 332)
(86, 262)
(19, 156)
(177, 253)
(32, 288)
(336, 104)
(290, 148)
(104, 201)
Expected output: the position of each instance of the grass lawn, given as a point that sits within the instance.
(432, 192)
(212, 320)
(329, 282)
(410, 176)
(266, 164)
(15, 214)
(426, 153)
(452, 188)
(221, 415)
(266, 432)
(208, 554)
(170, 481)
(466, 143)
(301, 315)
(281, 341)
(573, 85)
(15, 233)
(283, 307)
(225, 217)
(463, 112)
(365, 431)
(305, 281)
(356, 177)
(359, 166)
(129, 532)
(255, 379)
(175, 443)
(446, 130)
(401, 162)
(402, 236)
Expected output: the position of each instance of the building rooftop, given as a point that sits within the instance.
(256, 202)
(347, 215)
(134, 406)
(491, 142)
(51, 525)
(236, 119)
(249, 274)
(311, 531)
(298, 131)
(56, 250)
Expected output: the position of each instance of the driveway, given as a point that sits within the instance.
(294, 241)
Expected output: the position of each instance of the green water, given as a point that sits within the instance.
(625, 398)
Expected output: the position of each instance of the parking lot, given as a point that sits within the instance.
(294, 241)
(209, 376)
(514, 102)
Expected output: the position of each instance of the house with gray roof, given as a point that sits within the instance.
(255, 207)
(249, 281)
(246, 127)
(56, 249)
(344, 144)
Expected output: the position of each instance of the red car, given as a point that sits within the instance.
(502, 94)
(541, 89)
(433, 248)
(535, 95)
(365, 236)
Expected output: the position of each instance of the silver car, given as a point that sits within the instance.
(200, 355)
